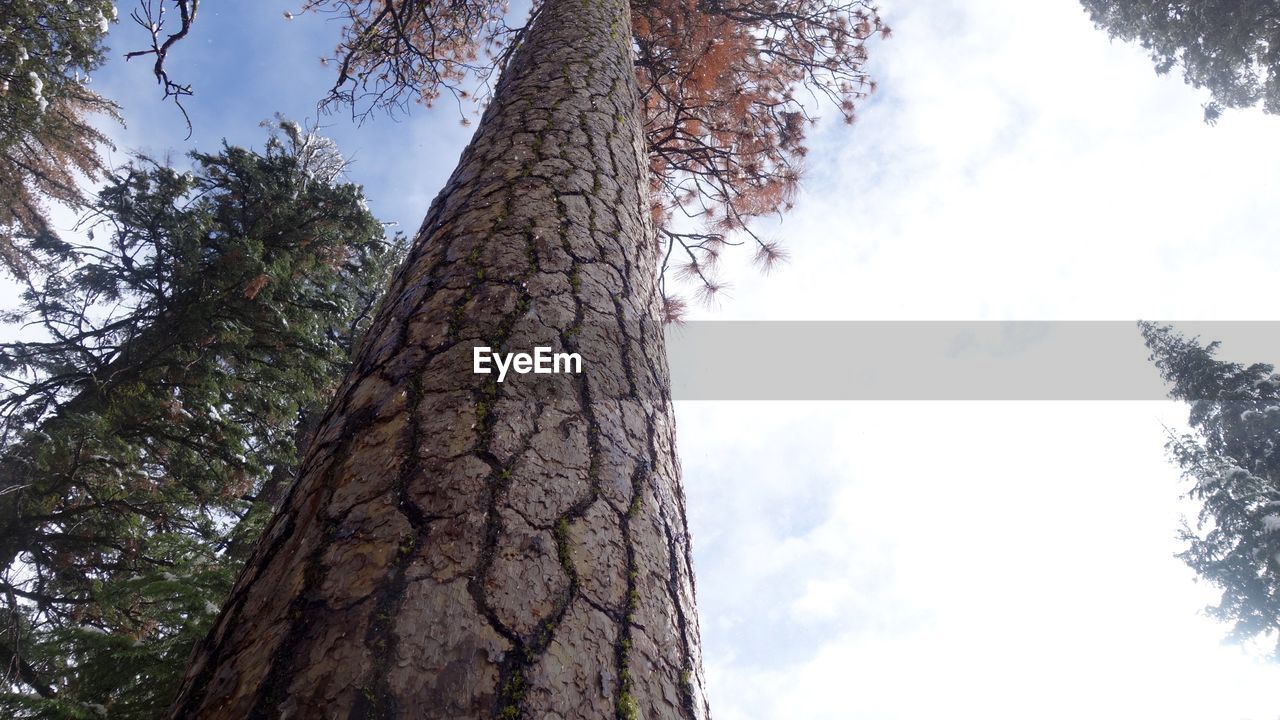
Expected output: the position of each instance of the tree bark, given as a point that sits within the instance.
(456, 547)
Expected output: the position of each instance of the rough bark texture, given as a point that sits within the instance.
(459, 548)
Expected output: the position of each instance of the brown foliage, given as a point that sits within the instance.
(721, 82)
(39, 162)
(254, 286)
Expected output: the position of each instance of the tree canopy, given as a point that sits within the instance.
(184, 353)
(727, 91)
(1229, 47)
(1232, 458)
(47, 50)
(723, 87)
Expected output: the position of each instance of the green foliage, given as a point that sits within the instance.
(56, 42)
(1230, 47)
(1233, 460)
(185, 357)
(47, 50)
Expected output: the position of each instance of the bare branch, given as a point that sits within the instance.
(150, 15)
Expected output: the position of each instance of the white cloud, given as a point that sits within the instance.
(1017, 164)
(1021, 569)
(985, 560)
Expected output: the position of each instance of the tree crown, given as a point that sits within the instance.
(1229, 47)
(187, 350)
(47, 50)
(1233, 462)
(728, 89)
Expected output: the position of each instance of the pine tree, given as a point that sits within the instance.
(147, 437)
(1232, 458)
(47, 50)
(456, 546)
(1230, 47)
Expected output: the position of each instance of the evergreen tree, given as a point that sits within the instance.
(47, 50)
(147, 436)
(1232, 457)
(1230, 47)
(459, 547)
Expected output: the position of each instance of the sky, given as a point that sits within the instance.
(912, 560)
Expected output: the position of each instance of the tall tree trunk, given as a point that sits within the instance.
(457, 547)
